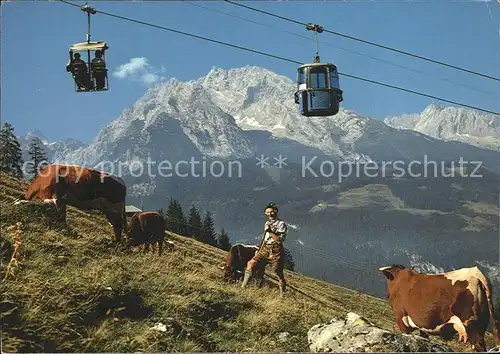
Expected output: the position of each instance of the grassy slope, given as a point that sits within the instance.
(74, 291)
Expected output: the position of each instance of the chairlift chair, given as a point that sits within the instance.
(89, 47)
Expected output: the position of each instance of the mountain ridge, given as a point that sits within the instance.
(453, 124)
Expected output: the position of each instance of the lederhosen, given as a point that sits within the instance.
(272, 253)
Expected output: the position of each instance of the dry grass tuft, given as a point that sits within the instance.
(14, 260)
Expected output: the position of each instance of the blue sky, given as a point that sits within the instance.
(38, 93)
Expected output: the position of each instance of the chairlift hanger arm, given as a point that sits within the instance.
(314, 27)
(317, 29)
(90, 11)
(89, 80)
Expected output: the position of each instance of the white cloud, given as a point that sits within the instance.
(139, 70)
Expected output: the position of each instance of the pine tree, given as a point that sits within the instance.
(208, 234)
(175, 219)
(194, 224)
(182, 222)
(38, 157)
(170, 224)
(223, 241)
(11, 160)
(289, 263)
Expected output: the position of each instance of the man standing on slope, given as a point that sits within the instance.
(271, 248)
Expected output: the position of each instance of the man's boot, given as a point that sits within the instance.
(282, 289)
(248, 274)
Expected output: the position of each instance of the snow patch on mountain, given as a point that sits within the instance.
(491, 271)
(143, 189)
(418, 264)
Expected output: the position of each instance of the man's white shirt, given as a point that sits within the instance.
(278, 227)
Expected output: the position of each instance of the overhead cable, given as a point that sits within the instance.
(368, 42)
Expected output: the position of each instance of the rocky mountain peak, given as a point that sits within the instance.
(454, 124)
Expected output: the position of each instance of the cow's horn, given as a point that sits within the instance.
(384, 268)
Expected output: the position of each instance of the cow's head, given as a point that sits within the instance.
(229, 272)
(222, 266)
(393, 281)
(226, 271)
(391, 271)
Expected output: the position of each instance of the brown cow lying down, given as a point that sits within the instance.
(236, 262)
(147, 228)
(429, 302)
(83, 188)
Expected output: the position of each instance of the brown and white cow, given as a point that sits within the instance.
(83, 188)
(430, 302)
(147, 228)
(236, 262)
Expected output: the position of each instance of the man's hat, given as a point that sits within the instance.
(272, 205)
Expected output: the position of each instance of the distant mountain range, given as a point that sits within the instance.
(55, 151)
(341, 228)
(453, 124)
(241, 112)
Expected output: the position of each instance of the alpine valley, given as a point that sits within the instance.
(358, 193)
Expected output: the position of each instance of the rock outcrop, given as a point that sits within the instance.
(356, 334)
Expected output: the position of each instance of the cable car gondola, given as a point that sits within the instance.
(318, 88)
(92, 75)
